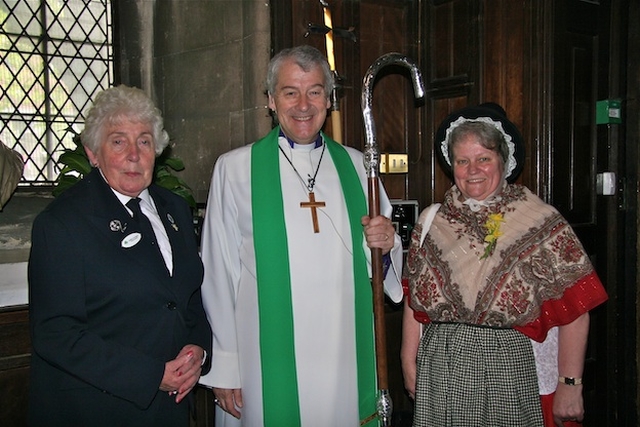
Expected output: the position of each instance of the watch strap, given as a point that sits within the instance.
(570, 380)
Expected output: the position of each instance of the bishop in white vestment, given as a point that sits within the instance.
(322, 287)
(286, 287)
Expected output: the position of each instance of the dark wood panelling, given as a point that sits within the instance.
(628, 397)
(575, 132)
(281, 31)
(546, 63)
(380, 26)
(310, 12)
(15, 356)
(392, 93)
(205, 408)
(480, 51)
(584, 73)
(504, 54)
(451, 72)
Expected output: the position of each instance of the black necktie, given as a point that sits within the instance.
(142, 220)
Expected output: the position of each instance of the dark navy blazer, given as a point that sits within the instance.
(106, 315)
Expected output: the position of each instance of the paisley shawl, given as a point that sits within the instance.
(537, 277)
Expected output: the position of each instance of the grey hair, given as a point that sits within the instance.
(122, 103)
(306, 57)
(490, 138)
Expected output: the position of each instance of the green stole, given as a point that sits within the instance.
(277, 348)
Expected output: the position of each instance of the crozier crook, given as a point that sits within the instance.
(372, 166)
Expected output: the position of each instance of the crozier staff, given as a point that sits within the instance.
(285, 246)
(489, 270)
(117, 324)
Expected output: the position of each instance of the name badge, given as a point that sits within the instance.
(131, 240)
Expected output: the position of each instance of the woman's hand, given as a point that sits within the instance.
(568, 404)
(182, 373)
(572, 346)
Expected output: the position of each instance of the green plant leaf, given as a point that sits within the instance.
(64, 183)
(169, 182)
(186, 195)
(65, 170)
(75, 161)
(78, 142)
(161, 173)
(175, 163)
(183, 183)
(75, 165)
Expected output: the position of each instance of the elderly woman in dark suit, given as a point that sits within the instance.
(119, 333)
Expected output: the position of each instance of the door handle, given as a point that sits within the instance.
(606, 184)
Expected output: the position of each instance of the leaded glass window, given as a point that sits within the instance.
(55, 55)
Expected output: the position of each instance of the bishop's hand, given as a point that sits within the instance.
(229, 400)
(379, 232)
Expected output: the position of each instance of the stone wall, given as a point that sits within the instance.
(204, 62)
(207, 61)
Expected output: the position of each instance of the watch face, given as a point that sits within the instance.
(570, 381)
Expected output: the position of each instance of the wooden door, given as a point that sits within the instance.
(587, 68)
(374, 27)
(366, 29)
(547, 63)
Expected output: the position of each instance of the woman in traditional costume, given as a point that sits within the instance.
(491, 272)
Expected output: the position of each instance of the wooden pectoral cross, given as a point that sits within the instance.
(313, 205)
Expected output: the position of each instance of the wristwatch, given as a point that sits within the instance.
(570, 380)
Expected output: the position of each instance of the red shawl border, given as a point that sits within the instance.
(586, 294)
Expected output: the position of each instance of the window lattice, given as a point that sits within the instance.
(55, 55)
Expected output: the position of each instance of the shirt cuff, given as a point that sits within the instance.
(386, 263)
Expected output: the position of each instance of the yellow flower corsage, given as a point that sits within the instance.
(493, 232)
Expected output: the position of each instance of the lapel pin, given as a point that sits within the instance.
(172, 221)
(116, 225)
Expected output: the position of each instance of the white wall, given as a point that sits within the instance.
(13, 284)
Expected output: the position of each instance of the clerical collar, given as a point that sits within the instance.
(292, 143)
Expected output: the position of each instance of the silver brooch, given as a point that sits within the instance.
(116, 225)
